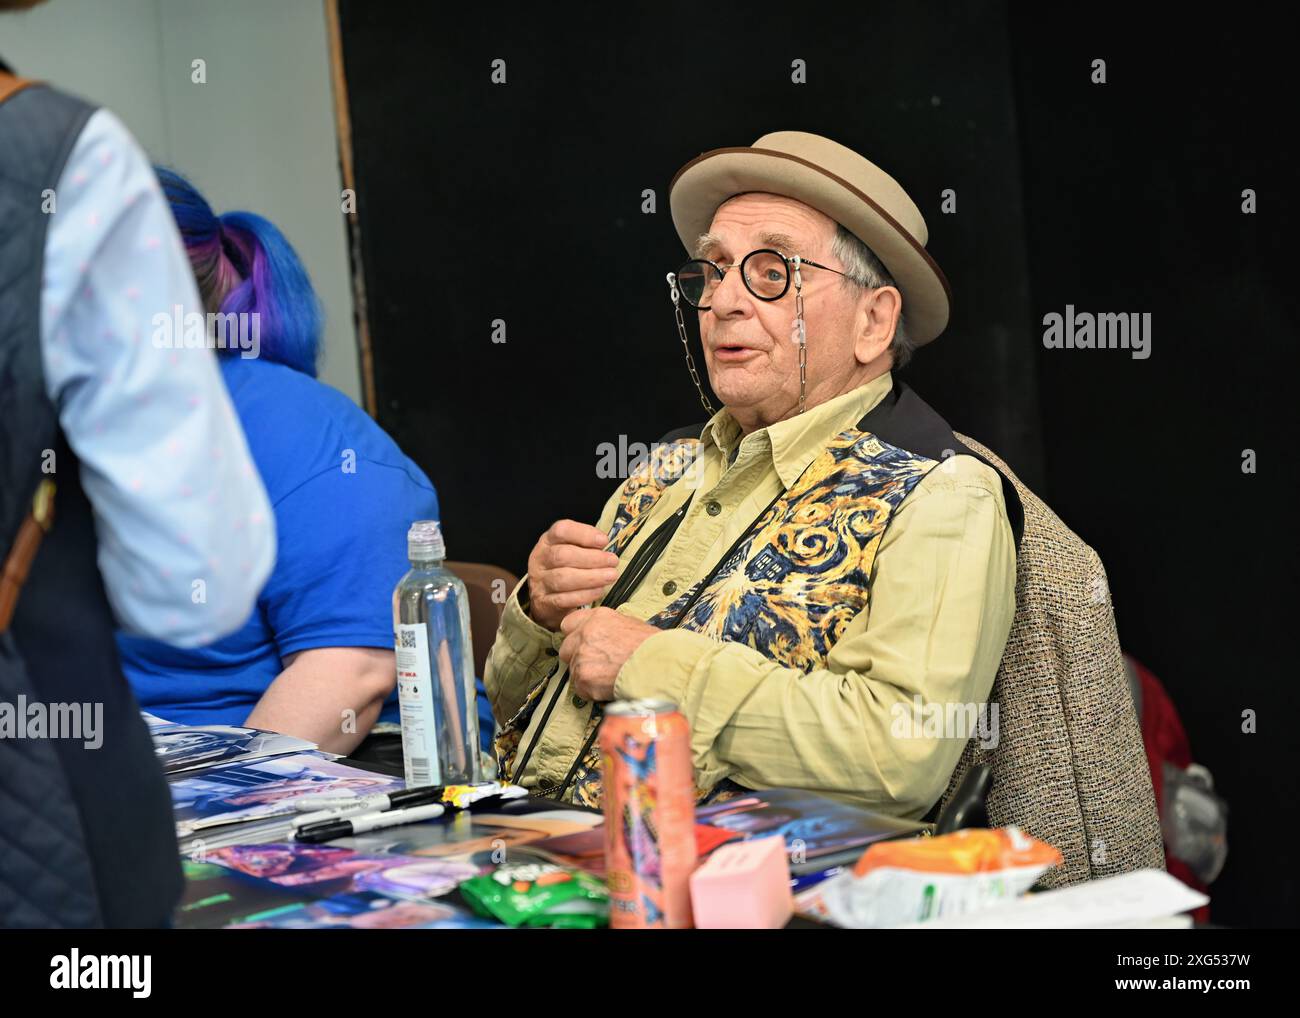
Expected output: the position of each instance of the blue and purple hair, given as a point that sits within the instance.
(243, 263)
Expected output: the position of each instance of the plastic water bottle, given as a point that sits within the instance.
(435, 666)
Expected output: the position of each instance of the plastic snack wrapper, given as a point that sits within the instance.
(462, 796)
(898, 882)
(539, 894)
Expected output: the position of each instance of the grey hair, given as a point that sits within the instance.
(863, 268)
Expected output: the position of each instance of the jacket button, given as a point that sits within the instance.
(578, 701)
(670, 588)
(713, 508)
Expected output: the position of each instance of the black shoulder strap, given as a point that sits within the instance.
(905, 420)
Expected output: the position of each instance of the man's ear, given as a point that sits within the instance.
(876, 321)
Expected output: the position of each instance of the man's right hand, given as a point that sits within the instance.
(568, 568)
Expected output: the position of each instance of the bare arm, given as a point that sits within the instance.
(311, 698)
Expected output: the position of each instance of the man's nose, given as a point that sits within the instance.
(730, 295)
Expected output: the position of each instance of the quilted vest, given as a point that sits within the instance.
(803, 570)
(86, 835)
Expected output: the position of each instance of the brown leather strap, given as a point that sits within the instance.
(18, 563)
(10, 84)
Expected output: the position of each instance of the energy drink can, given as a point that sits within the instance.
(649, 801)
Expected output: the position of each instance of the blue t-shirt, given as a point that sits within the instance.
(343, 495)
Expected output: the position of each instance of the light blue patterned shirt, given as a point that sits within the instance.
(186, 535)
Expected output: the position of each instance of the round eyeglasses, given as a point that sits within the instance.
(765, 273)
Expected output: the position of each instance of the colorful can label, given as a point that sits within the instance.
(649, 804)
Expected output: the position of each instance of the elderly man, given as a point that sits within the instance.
(817, 562)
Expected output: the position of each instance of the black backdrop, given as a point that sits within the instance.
(522, 202)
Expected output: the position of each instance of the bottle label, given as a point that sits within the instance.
(415, 700)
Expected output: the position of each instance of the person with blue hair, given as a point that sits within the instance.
(315, 658)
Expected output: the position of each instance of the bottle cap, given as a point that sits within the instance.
(424, 541)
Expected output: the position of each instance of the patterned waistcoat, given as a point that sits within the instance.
(803, 571)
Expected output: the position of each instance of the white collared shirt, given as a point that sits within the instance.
(186, 535)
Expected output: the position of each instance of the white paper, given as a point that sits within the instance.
(1129, 899)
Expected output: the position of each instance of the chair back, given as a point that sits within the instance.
(489, 587)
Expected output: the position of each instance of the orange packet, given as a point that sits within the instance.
(969, 851)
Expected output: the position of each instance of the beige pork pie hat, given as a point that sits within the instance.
(836, 181)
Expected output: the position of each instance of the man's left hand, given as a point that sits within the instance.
(596, 643)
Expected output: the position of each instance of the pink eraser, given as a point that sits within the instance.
(745, 886)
